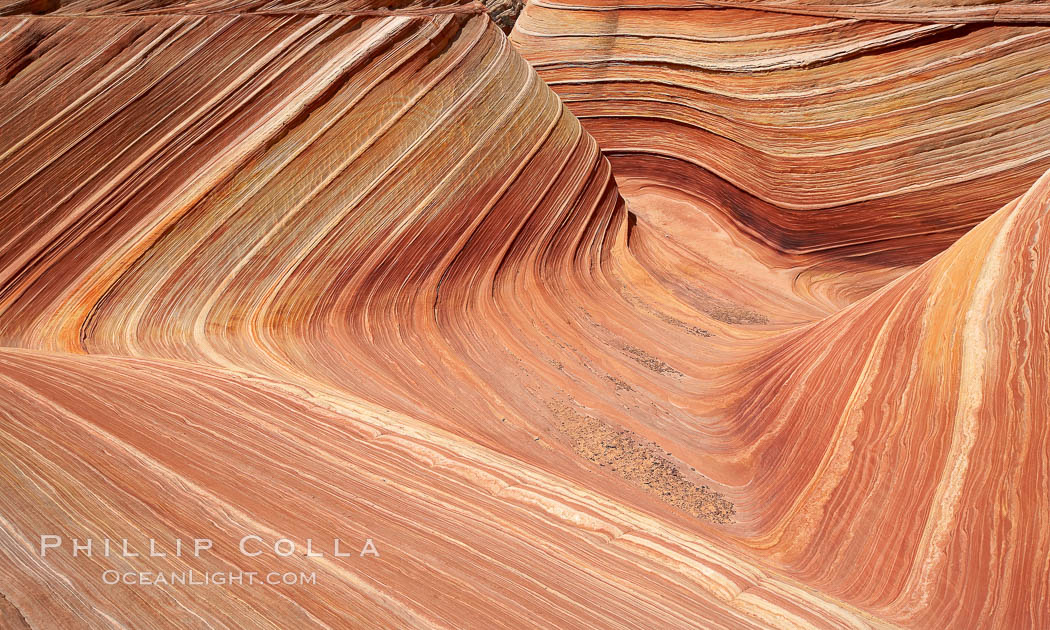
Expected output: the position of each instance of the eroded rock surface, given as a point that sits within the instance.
(696, 321)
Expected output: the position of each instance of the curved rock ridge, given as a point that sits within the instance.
(464, 535)
(326, 205)
(943, 11)
(71, 8)
(273, 216)
(354, 276)
(791, 121)
(931, 433)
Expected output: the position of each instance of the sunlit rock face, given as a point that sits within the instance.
(814, 133)
(70, 8)
(699, 338)
(947, 11)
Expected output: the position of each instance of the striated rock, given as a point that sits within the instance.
(119, 448)
(925, 429)
(787, 122)
(715, 357)
(945, 11)
(505, 12)
(73, 8)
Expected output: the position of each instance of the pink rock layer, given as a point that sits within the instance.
(803, 128)
(320, 275)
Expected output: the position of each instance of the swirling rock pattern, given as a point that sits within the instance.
(946, 11)
(789, 121)
(354, 271)
(71, 8)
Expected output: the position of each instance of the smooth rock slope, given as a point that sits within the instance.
(693, 339)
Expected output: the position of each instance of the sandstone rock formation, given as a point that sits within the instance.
(725, 355)
(505, 12)
(788, 121)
